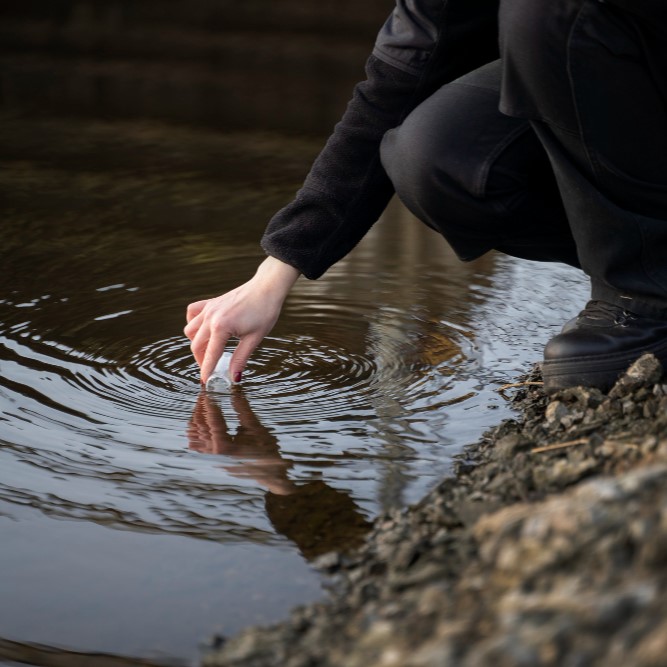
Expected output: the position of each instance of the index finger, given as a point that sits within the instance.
(194, 309)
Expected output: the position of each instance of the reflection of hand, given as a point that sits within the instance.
(315, 516)
(255, 444)
(247, 313)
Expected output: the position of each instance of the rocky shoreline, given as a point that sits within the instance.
(547, 546)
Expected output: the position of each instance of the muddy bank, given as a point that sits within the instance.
(547, 547)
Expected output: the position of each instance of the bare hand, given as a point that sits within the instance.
(247, 313)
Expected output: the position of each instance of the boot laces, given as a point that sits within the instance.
(608, 312)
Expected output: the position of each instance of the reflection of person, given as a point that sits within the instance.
(557, 152)
(253, 444)
(316, 517)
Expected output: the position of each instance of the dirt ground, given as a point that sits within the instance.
(547, 547)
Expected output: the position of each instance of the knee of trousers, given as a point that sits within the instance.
(419, 170)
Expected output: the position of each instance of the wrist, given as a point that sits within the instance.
(276, 275)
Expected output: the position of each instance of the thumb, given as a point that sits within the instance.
(242, 353)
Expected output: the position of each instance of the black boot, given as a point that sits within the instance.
(598, 347)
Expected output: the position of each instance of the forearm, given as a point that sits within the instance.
(346, 189)
(423, 45)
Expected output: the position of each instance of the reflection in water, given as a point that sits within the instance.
(316, 517)
(139, 514)
(253, 444)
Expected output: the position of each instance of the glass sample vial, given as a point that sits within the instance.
(220, 378)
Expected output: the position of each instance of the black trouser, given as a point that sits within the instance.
(574, 169)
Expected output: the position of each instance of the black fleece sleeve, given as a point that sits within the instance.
(424, 44)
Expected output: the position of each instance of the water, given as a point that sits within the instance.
(140, 514)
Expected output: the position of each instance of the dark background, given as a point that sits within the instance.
(285, 65)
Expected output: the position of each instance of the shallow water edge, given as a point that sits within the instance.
(141, 515)
(547, 547)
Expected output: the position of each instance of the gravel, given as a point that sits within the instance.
(547, 546)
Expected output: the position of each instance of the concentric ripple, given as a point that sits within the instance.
(300, 382)
(99, 442)
(190, 509)
(120, 449)
(346, 409)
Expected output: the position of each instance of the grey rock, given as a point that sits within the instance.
(555, 413)
(644, 372)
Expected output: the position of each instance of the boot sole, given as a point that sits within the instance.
(600, 371)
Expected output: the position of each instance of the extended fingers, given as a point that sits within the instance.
(247, 345)
(192, 327)
(194, 309)
(199, 344)
(215, 346)
(196, 317)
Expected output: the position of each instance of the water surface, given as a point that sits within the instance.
(140, 514)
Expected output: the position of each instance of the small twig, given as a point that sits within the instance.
(559, 445)
(511, 385)
(620, 436)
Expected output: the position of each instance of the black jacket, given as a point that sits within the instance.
(423, 45)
